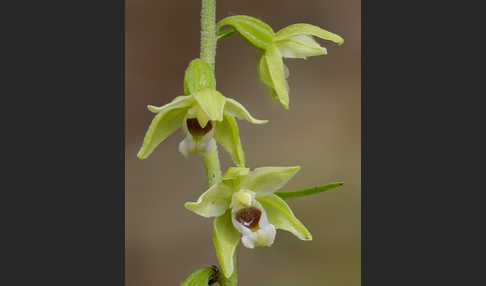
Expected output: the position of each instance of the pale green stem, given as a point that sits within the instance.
(208, 54)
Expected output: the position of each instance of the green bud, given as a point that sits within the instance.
(256, 32)
(198, 76)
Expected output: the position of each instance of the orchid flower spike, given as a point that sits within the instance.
(205, 116)
(244, 205)
(294, 41)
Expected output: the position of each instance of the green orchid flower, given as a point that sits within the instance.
(244, 205)
(294, 41)
(205, 116)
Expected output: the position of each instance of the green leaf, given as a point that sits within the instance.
(274, 67)
(307, 192)
(198, 76)
(164, 123)
(212, 203)
(201, 277)
(281, 216)
(226, 33)
(256, 32)
(211, 102)
(239, 111)
(266, 180)
(227, 134)
(307, 29)
(225, 238)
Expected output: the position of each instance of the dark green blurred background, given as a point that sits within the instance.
(321, 132)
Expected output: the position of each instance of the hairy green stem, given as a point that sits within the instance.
(208, 32)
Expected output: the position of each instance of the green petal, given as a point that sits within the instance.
(225, 238)
(275, 69)
(238, 110)
(211, 102)
(178, 102)
(256, 32)
(307, 29)
(226, 133)
(212, 203)
(163, 124)
(202, 276)
(280, 215)
(266, 180)
(198, 76)
(234, 172)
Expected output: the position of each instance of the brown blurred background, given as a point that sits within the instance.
(321, 132)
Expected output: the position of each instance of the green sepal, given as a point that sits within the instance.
(177, 102)
(227, 135)
(164, 123)
(211, 102)
(198, 76)
(239, 111)
(225, 238)
(272, 73)
(213, 202)
(307, 192)
(235, 172)
(281, 216)
(202, 277)
(307, 29)
(266, 180)
(256, 32)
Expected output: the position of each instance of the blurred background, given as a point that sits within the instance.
(321, 132)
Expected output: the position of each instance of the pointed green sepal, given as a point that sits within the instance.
(202, 277)
(211, 102)
(178, 102)
(212, 203)
(266, 180)
(225, 238)
(307, 192)
(198, 76)
(272, 73)
(307, 29)
(164, 123)
(256, 32)
(235, 172)
(239, 111)
(227, 135)
(281, 216)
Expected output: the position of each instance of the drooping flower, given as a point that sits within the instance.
(205, 116)
(294, 41)
(244, 206)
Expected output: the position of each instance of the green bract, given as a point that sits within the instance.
(241, 191)
(294, 41)
(203, 115)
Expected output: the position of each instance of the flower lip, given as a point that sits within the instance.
(249, 217)
(196, 129)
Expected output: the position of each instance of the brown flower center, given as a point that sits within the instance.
(249, 217)
(197, 130)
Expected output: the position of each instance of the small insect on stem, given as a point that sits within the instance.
(214, 277)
